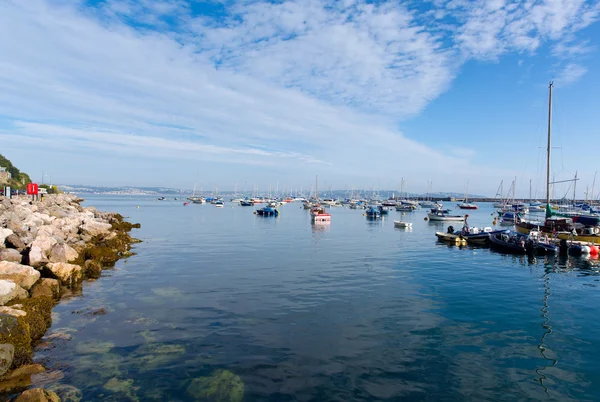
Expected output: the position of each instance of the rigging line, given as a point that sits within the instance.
(547, 331)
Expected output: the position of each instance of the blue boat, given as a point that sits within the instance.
(373, 213)
(267, 211)
(383, 210)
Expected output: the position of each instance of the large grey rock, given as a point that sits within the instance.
(4, 233)
(36, 257)
(10, 254)
(10, 291)
(22, 275)
(7, 354)
(44, 242)
(95, 228)
(62, 253)
(67, 274)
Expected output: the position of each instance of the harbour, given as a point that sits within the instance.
(353, 310)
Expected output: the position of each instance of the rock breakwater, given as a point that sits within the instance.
(47, 248)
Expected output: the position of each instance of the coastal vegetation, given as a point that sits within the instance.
(18, 179)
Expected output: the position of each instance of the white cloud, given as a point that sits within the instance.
(570, 73)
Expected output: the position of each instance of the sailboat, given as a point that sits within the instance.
(465, 204)
(585, 228)
(317, 212)
(500, 203)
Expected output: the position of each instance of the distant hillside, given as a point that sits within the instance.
(18, 179)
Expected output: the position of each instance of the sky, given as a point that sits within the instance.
(365, 94)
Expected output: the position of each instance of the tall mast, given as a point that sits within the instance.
(574, 187)
(548, 149)
(316, 188)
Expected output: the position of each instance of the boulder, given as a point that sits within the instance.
(37, 395)
(10, 254)
(36, 257)
(13, 310)
(62, 253)
(9, 291)
(22, 275)
(46, 287)
(14, 241)
(92, 269)
(44, 242)
(95, 228)
(67, 274)
(7, 354)
(4, 233)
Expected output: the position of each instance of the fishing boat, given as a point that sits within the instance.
(267, 211)
(403, 225)
(406, 208)
(443, 215)
(509, 242)
(579, 227)
(319, 215)
(373, 213)
(383, 210)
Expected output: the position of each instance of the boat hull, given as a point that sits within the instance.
(446, 218)
(522, 228)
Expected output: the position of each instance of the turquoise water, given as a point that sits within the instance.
(357, 311)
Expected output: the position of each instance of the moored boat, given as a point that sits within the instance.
(319, 215)
(443, 215)
(372, 213)
(403, 225)
(267, 211)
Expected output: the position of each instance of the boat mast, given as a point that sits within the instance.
(548, 149)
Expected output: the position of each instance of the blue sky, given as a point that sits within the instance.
(363, 93)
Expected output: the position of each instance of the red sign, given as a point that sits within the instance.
(32, 189)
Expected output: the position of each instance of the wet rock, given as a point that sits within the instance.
(37, 395)
(67, 393)
(92, 269)
(10, 291)
(46, 378)
(63, 253)
(14, 241)
(67, 274)
(222, 386)
(46, 287)
(22, 275)
(7, 354)
(19, 379)
(15, 331)
(10, 254)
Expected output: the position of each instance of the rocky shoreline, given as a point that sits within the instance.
(47, 248)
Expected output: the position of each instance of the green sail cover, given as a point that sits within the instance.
(548, 211)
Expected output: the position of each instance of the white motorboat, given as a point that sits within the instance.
(400, 224)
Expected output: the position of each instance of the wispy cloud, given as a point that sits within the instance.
(292, 83)
(570, 73)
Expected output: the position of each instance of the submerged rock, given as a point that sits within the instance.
(67, 393)
(89, 347)
(222, 386)
(124, 387)
(157, 355)
(22, 275)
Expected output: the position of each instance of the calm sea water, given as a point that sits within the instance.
(356, 311)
